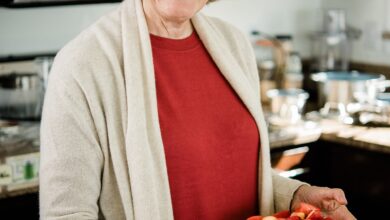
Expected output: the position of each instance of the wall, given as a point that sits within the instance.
(48, 29)
(296, 17)
(372, 17)
(42, 30)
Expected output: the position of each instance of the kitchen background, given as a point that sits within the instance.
(47, 29)
(319, 151)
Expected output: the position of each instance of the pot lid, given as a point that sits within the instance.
(384, 98)
(299, 93)
(345, 76)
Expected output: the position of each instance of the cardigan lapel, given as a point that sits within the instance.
(227, 64)
(145, 155)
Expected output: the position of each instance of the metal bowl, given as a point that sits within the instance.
(287, 105)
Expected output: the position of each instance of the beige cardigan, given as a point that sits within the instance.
(102, 155)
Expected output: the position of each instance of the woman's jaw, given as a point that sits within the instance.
(171, 18)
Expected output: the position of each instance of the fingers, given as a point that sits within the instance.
(342, 213)
(323, 197)
(339, 196)
(330, 205)
(334, 194)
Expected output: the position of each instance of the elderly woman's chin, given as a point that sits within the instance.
(179, 9)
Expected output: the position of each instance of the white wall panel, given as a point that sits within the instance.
(44, 30)
(372, 17)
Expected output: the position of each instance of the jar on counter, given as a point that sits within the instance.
(293, 76)
(267, 78)
(286, 42)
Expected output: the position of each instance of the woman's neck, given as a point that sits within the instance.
(164, 27)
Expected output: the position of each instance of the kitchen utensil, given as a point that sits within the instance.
(334, 21)
(44, 65)
(338, 89)
(21, 96)
(22, 87)
(331, 47)
(383, 102)
(373, 89)
(287, 106)
(267, 82)
(331, 52)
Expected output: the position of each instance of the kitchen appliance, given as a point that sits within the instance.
(375, 113)
(21, 96)
(286, 106)
(22, 89)
(331, 47)
(338, 90)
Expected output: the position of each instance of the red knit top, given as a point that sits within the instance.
(211, 141)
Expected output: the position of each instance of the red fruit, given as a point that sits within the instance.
(269, 218)
(255, 218)
(328, 218)
(306, 208)
(301, 215)
(293, 218)
(315, 215)
(282, 214)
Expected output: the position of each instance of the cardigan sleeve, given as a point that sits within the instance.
(71, 159)
(284, 189)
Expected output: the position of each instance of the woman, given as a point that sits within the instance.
(154, 113)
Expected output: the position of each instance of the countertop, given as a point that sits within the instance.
(369, 138)
(19, 158)
(303, 133)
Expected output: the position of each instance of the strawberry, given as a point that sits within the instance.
(303, 212)
(255, 218)
(306, 208)
(282, 214)
(301, 215)
(269, 218)
(293, 218)
(315, 215)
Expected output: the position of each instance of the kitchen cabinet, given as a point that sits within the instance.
(353, 158)
(362, 173)
(25, 206)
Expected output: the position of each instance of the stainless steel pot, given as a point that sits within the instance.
(383, 101)
(287, 105)
(338, 89)
(21, 96)
(377, 114)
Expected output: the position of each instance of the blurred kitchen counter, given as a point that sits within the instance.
(304, 133)
(19, 158)
(368, 138)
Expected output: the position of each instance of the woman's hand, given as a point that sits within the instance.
(332, 202)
